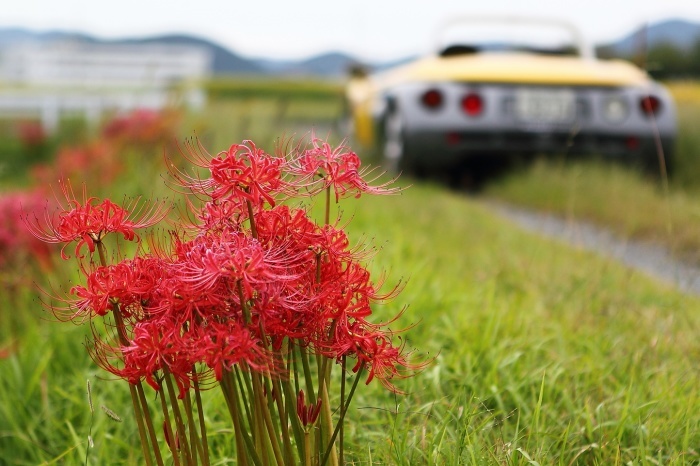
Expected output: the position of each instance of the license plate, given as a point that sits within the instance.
(552, 106)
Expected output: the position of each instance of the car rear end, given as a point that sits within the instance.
(447, 123)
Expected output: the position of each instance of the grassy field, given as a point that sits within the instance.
(544, 355)
(633, 205)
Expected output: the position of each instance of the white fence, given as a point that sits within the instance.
(48, 81)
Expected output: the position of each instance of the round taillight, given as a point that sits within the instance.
(650, 105)
(432, 98)
(472, 104)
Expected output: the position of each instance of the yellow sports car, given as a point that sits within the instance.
(523, 93)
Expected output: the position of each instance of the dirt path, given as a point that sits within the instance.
(652, 259)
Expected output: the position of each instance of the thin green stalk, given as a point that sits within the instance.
(326, 424)
(290, 403)
(267, 419)
(294, 362)
(139, 423)
(168, 426)
(92, 419)
(307, 448)
(258, 426)
(119, 322)
(194, 437)
(178, 417)
(251, 217)
(284, 424)
(328, 206)
(226, 382)
(245, 388)
(200, 412)
(342, 415)
(307, 374)
(124, 341)
(249, 443)
(149, 424)
(341, 439)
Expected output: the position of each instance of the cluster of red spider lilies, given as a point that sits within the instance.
(245, 291)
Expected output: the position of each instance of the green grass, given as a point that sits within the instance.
(543, 354)
(289, 89)
(540, 351)
(611, 195)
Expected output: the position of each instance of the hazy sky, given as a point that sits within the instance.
(370, 29)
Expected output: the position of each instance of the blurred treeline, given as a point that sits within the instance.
(664, 60)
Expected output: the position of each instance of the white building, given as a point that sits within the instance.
(50, 80)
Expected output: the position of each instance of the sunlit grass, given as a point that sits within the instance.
(630, 203)
(543, 354)
(611, 196)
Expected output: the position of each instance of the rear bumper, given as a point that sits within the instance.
(444, 149)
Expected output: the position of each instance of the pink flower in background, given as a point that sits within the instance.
(15, 241)
(88, 220)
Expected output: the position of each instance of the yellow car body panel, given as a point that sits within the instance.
(521, 69)
(507, 68)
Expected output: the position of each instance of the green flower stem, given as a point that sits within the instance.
(307, 448)
(290, 403)
(139, 423)
(343, 411)
(124, 341)
(168, 427)
(227, 389)
(267, 419)
(253, 412)
(293, 362)
(200, 412)
(245, 388)
(282, 417)
(181, 433)
(328, 205)
(194, 437)
(244, 306)
(119, 322)
(149, 424)
(250, 448)
(327, 425)
(341, 439)
(258, 428)
(307, 374)
(251, 217)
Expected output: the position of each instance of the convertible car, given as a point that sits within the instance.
(480, 98)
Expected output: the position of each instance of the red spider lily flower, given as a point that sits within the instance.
(374, 350)
(131, 284)
(230, 256)
(224, 345)
(87, 221)
(244, 171)
(338, 168)
(153, 347)
(307, 414)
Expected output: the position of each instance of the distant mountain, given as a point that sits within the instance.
(677, 32)
(224, 61)
(326, 65)
(329, 65)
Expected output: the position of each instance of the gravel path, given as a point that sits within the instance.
(649, 258)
